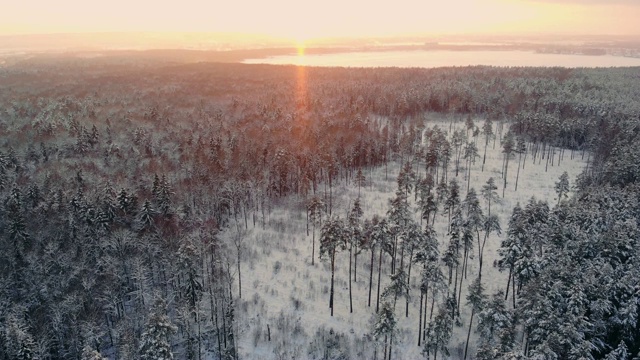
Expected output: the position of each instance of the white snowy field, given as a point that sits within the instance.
(285, 295)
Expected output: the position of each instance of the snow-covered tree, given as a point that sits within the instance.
(315, 209)
(406, 178)
(91, 354)
(491, 224)
(487, 131)
(354, 233)
(489, 194)
(381, 236)
(521, 148)
(476, 300)
(496, 328)
(562, 187)
(619, 353)
(19, 342)
(155, 343)
(385, 326)
(470, 155)
(332, 239)
(508, 147)
(439, 333)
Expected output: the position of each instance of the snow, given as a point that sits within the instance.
(283, 290)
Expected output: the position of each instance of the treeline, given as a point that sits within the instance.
(115, 179)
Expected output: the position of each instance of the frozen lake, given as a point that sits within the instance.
(440, 58)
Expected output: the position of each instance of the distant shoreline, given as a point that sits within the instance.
(239, 56)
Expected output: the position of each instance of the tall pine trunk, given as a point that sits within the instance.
(466, 345)
(506, 169)
(313, 244)
(379, 273)
(484, 157)
(420, 319)
(371, 274)
(518, 173)
(350, 297)
(409, 282)
(506, 294)
(333, 261)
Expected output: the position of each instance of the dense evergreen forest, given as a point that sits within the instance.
(118, 176)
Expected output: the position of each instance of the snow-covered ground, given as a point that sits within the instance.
(282, 293)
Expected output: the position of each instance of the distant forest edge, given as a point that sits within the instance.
(15, 52)
(116, 175)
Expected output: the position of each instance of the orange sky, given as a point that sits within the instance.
(297, 19)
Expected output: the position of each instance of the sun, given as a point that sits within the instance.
(301, 45)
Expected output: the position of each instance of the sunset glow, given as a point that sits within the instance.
(301, 21)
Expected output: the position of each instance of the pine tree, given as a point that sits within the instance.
(399, 216)
(474, 221)
(355, 235)
(457, 140)
(361, 180)
(491, 224)
(439, 333)
(412, 240)
(385, 326)
(470, 155)
(90, 354)
(315, 208)
(489, 194)
(146, 215)
(562, 187)
(155, 341)
(521, 148)
(381, 236)
(19, 344)
(332, 239)
(619, 353)
(476, 299)
(487, 131)
(442, 194)
(453, 199)
(406, 178)
(511, 248)
(508, 147)
(188, 260)
(427, 205)
(397, 287)
(497, 329)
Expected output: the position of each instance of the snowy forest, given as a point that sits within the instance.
(156, 209)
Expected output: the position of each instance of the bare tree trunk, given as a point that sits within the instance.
(379, 273)
(433, 302)
(333, 261)
(513, 292)
(506, 169)
(393, 258)
(355, 265)
(408, 283)
(420, 319)
(313, 244)
(460, 290)
(484, 157)
(371, 275)
(469, 175)
(518, 173)
(239, 279)
(466, 346)
(424, 317)
(384, 356)
(350, 297)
